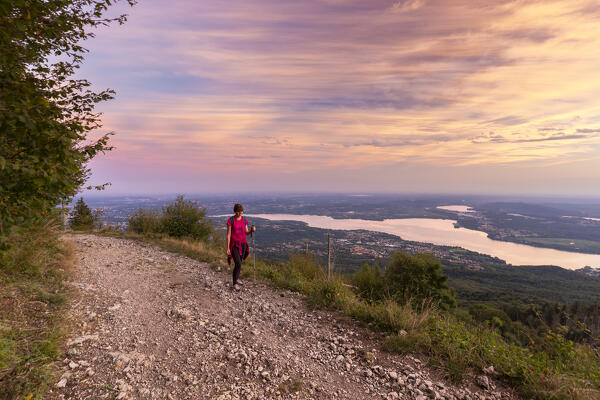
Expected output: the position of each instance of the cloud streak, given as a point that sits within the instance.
(494, 138)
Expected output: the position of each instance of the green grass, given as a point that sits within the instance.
(459, 347)
(33, 266)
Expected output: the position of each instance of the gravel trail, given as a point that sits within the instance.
(149, 324)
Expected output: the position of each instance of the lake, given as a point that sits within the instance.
(443, 232)
(463, 209)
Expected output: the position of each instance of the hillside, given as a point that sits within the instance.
(152, 324)
(524, 284)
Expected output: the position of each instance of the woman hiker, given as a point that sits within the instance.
(237, 246)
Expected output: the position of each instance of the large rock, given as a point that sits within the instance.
(484, 382)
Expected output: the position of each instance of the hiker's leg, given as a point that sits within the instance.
(235, 252)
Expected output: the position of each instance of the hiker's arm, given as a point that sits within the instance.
(228, 239)
(249, 231)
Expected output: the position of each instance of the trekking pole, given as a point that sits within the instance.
(254, 253)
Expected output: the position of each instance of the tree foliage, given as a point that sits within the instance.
(144, 221)
(414, 279)
(369, 282)
(184, 218)
(82, 217)
(45, 114)
(418, 278)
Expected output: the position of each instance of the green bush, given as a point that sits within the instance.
(144, 221)
(267, 273)
(280, 275)
(289, 278)
(417, 278)
(183, 218)
(324, 293)
(30, 250)
(369, 283)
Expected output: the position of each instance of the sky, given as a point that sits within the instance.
(427, 96)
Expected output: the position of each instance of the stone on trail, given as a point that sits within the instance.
(489, 370)
(81, 339)
(483, 382)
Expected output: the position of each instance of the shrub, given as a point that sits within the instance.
(417, 278)
(144, 221)
(184, 218)
(30, 251)
(290, 278)
(267, 272)
(369, 283)
(324, 293)
(306, 266)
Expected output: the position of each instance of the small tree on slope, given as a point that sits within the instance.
(183, 218)
(416, 279)
(82, 217)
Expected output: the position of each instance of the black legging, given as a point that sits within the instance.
(237, 259)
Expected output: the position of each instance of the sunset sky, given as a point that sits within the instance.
(481, 97)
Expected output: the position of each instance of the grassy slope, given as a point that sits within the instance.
(32, 300)
(529, 284)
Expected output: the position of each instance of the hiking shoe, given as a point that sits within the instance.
(236, 287)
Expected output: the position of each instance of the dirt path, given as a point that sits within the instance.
(155, 325)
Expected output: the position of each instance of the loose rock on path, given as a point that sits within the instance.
(155, 325)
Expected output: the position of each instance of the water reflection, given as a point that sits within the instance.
(463, 209)
(443, 232)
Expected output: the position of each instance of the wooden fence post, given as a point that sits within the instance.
(328, 255)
